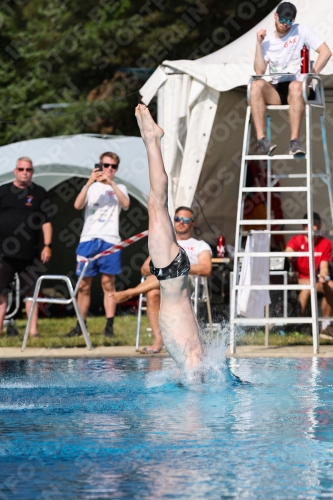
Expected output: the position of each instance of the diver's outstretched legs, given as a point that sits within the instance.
(178, 324)
(162, 241)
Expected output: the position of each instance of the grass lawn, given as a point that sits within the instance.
(275, 339)
(52, 333)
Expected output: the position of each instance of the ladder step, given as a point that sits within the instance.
(285, 231)
(290, 189)
(290, 176)
(272, 254)
(281, 231)
(274, 157)
(285, 107)
(272, 222)
(265, 321)
(272, 287)
(297, 176)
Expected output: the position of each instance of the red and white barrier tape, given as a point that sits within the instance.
(115, 248)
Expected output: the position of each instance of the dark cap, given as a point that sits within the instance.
(287, 10)
(316, 217)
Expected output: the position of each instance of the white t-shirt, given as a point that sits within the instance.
(101, 216)
(284, 54)
(193, 248)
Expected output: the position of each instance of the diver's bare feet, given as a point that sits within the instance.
(149, 130)
(122, 296)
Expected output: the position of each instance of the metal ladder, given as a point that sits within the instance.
(272, 179)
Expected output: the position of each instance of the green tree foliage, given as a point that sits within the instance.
(67, 51)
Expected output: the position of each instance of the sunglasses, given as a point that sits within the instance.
(112, 165)
(283, 20)
(186, 220)
(20, 169)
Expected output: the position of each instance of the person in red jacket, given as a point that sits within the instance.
(322, 257)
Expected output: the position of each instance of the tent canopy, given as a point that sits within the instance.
(59, 158)
(201, 106)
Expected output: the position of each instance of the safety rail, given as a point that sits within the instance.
(319, 100)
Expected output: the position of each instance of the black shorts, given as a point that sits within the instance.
(28, 271)
(180, 266)
(282, 90)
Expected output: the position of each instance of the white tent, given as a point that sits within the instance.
(59, 158)
(201, 106)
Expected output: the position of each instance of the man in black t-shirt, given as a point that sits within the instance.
(25, 211)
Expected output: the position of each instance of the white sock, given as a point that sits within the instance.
(325, 323)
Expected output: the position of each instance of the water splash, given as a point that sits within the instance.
(213, 373)
(163, 378)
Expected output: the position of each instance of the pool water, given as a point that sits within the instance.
(132, 429)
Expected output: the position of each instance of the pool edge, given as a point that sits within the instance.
(254, 351)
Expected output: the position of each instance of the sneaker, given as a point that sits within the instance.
(328, 331)
(76, 332)
(11, 331)
(306, 329)
(296, 147)
(108, 331)
(302, 328)
(266, 147)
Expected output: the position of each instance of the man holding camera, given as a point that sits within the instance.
(102, 200)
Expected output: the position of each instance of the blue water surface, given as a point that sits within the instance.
(132, 429)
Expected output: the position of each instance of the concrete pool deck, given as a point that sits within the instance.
(253, 351)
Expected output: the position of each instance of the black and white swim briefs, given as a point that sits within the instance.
(180, 266)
